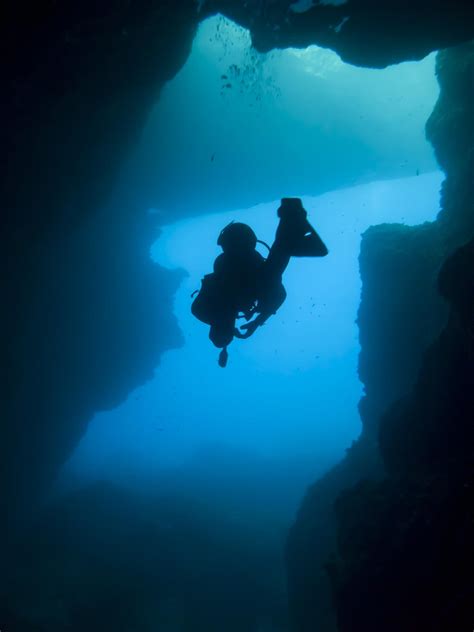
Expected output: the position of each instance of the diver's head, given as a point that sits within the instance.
(291, 206)
(237, 238)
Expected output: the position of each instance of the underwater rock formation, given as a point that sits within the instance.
(400, 312)
(399, 315)
(450, 129)
(95, 319)
(79, 80)
(79, 289)
(312, 542)
(362, 32)
(103, 558)
(403, 519)
(430, 431)
(405, 544)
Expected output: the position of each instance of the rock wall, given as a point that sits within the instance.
(93, 321)
(312, 542)
(86, 315)
(404, 543)
(104, 558)
(362, 32)
(399, 513)
(400, 314)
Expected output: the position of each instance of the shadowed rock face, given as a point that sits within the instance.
(93, 325)
(104, 558)
(78, 82)
(402, 514)
(88, 313)
(400, 314)
(362, 32)
(404, 543)
(450, 129)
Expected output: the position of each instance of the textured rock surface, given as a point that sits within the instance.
(362, 32)
(405, 544)
(312, 542)
(78, 83)
(106, 559)
(400, 312)
(451, 132)
(93, 323)
(392, 534)
(87, 313)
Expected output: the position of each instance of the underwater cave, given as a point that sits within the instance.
(323, 480)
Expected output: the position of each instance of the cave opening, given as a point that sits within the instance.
(232, 133)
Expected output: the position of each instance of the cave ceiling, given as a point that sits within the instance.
(363, 32)
(80, 78)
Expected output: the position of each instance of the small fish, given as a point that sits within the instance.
(212, 157)
(224, 77)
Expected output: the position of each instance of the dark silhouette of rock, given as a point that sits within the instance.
(106, 558)
(362, 32)
(93, 324)
(431, 429)
(450, 129)
(415, 346)
(312, 540)
(404, 544)
(86, 314)
(398, 265)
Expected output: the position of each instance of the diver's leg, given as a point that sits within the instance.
(271, 300)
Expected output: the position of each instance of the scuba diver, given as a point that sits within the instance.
(246, 285)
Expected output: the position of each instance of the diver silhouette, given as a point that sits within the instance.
(246, 285)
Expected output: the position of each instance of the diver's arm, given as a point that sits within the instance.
(266, 307)
(251, 326)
